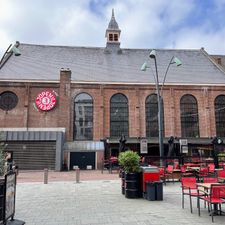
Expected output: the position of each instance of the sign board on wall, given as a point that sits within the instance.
(183, 146)
(10, 195)
(144, 146)
(46, 100)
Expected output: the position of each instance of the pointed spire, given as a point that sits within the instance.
(113, 25)
(113, 33)
(113, 13)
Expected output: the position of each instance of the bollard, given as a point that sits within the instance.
(77, 175)
(45, 175)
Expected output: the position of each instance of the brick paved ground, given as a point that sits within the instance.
(97, 200)
(101, 203)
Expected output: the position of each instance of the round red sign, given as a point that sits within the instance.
(46, 100)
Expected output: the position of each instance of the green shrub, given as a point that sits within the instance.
(130, 161)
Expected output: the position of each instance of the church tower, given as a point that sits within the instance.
(113, 34)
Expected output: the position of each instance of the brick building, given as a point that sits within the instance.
(57, 103)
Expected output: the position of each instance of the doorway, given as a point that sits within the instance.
(82, 160)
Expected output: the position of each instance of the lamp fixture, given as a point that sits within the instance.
(152, 54)
(144, 67)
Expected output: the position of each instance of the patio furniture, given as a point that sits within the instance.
(169, 173)
(203, 172)
(189, 187)
(210, 180)
(211, 167)
(221, 175)
(214, 197)
(162, 174)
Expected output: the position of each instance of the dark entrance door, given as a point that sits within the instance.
(82, 159)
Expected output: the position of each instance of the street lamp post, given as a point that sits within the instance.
(144, 67)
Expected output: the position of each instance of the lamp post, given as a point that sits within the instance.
(144, 67)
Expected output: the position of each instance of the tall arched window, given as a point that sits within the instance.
(189, 116)
(220, 115)
(151, 116)
(83, 117)
(119, 119)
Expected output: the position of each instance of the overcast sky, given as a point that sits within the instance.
(179, 24)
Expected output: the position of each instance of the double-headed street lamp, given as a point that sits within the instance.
(144, 67)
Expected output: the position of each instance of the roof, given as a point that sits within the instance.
(89, 64)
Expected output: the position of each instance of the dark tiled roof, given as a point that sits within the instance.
(40, 62)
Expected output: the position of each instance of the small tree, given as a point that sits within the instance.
(130, 161)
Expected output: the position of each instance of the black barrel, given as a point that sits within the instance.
(123, 182)
(132, 185)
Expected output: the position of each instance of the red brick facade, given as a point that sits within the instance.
(27, 115)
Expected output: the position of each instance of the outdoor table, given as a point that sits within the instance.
(192, 164)
(196, 168)
(207, 186)
(193, 170)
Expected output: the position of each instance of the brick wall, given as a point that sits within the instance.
(27, 115)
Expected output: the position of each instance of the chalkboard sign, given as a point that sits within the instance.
(10, 193)
(2, 199)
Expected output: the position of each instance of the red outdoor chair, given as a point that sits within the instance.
(221, 175)
(215, 197)
(203, 172)
(169, 173)
(211, 167)
(189, 187)
(162, 174)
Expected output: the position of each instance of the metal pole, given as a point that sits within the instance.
(45, 176)
(77, 175)
(160, 124)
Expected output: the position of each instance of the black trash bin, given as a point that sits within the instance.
(154, 191)
(159, 190)
(150, 191)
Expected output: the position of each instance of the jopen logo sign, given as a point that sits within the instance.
(46, 100)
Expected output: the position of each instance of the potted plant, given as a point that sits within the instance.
(130, 162)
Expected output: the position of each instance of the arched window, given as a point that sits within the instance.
(189, 116)
(119, 118)
(220, 115)
(151, 116)
(83, 117)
